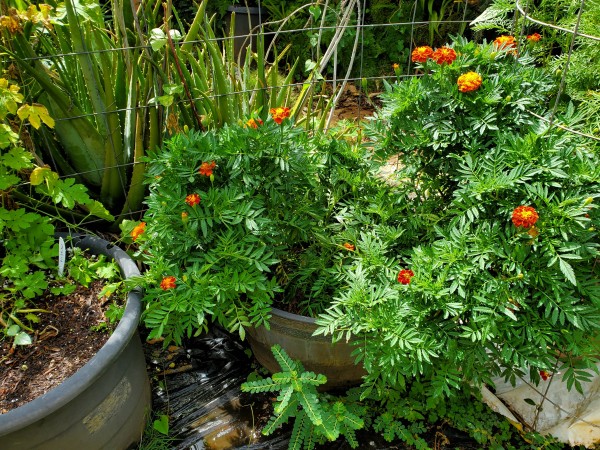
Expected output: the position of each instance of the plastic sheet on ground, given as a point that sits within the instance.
(199, 387)
(550, 408)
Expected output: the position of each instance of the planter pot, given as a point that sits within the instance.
(103, 405)
(317, 353)
(244, 32)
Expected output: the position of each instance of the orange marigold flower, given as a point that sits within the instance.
(192, 199)
(254, 123)
(535, 37)
(524, 216)
(505, 42)
(469, 81)
(279, 114)
(138, 230)
(349, 246)
(545, 375)
(395, 66)
(185, 217)
(206, 169)
(167, 283)
(405, 275)
(444, 55)
(422, 54)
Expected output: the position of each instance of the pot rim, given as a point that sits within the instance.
(81, 380)
(252, 10)
(291, 316)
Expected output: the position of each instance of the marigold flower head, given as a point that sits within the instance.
(505, 42)
(535, 37)
(206, 169)
(254, 123)
(138, 230)
(395, 66)
(469, 81)
(444, 55)
(545, 375)
(524, 216)
(405, 275)
(168, 283)
(279, 114)
(185, 217)
(349, 246)
(422, 54)
(192, 199)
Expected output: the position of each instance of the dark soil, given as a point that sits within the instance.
(66, 341)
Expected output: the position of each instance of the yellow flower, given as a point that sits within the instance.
(469, 81)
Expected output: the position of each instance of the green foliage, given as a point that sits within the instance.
(29, 249)
(316, 418)
(270, 226)
(488, 298)
(580, 69)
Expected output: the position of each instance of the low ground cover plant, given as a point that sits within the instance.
(35, 202)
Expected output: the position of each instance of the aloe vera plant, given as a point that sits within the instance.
(95, 82)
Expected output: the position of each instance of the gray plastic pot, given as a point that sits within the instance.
(294, 333)
(247, 19)
(103, 405)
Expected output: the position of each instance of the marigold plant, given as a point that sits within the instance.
(499, 228)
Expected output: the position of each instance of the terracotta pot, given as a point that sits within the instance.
(294, 333)
(104, 404)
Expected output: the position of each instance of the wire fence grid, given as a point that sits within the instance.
(352, 19)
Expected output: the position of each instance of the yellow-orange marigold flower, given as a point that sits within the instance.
(422, 54)
(444, 55)
(505, 42)
(535, 37)
(168, 283)
(524, 216)
(206, 169)
(254, 123)
(192, 199)
(280, 113)
(349, 246)
(405, 275)
(138, 230)
(469, 81)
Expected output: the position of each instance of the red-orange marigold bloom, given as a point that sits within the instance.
(192, 199)
(254, 123)
(545, 375)
(405, 275)
(349, 246)
(167, 283)
(206, 169)
(280, 113)
(138, 230)
(524, 216)
(469, 81)
(505, 42)
(444, 55)
(422, 54)
(535, 37)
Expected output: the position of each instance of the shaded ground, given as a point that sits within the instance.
(66, 342)
(198, 386)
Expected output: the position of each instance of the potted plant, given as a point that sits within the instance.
(104, 404)
(443, 274)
